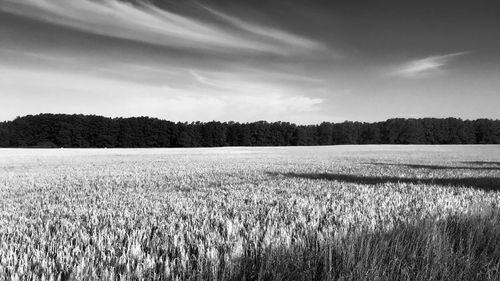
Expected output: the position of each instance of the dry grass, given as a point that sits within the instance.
(349, 213)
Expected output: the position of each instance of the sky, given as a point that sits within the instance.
(298, 61)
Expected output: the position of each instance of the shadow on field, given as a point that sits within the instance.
(482, 183)
(436, 167)
(457, 248)
(482, 163)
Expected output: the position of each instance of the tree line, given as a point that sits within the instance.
(62, 130)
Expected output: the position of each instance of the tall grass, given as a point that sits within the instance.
(457, 248)
(242, 217)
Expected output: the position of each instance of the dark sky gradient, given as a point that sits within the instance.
(299, 61)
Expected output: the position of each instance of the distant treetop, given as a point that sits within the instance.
(62, 130)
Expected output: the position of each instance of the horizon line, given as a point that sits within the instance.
(249, 122)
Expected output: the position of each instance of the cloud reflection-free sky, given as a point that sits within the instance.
(299, 61)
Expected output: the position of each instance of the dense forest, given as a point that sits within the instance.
(61, 130)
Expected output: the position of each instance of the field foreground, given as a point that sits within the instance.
(283, 213)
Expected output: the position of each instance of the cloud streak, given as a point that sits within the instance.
(425, 67)
(144, 22)
(278, 36)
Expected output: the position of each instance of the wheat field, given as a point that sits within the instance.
(263, 213)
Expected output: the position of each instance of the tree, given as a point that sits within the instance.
(370, 133)
(412, 132)
(96, 131)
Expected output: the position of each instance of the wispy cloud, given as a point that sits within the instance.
(208, 98)
(276, 35)
(143, 21)
(34, 55)
(425, 67)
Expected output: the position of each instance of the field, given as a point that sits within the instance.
(283, 213)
